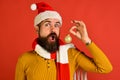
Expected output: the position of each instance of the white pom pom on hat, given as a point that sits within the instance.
(33, 7)
(45, 11)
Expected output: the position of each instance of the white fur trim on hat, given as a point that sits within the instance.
(47, 14)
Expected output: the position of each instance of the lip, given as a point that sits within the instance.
(51, 38)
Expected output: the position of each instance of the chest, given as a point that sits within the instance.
(41, 69)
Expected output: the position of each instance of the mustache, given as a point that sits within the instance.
(53, 34)
(50, 47)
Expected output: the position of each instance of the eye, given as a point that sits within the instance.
(57, 25)
(47, 24)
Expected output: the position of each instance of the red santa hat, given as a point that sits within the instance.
(44, 11)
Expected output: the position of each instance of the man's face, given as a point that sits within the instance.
(49, 26)
(49, 34)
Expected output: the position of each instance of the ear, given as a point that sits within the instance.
(37, 29)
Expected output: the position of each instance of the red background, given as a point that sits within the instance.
(102, 18)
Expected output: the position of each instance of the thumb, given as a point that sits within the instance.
(72, 30)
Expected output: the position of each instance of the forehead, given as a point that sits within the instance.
(51, 20)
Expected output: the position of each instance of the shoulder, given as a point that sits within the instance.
(27, 54)
(73, 52)
(27, 57)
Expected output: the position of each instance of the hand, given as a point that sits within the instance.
(81, 31)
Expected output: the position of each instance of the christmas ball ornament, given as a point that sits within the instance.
(68, 38)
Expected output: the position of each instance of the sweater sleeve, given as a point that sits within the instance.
(19, 74)
(99, 63)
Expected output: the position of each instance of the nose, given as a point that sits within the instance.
(52, 28)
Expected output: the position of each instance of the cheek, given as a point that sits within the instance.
(58, 32)
(44, 32)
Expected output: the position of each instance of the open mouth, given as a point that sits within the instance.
(51, 38)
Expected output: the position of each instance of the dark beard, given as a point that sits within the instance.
(50, 47)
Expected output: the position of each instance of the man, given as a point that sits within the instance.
(51, 59)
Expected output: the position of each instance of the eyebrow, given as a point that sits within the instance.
(50, 21)
(58, 22)
(47, 21)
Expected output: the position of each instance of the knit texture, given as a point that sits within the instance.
(31, 66)
(61, 57)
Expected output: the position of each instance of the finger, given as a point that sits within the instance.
(71, 30)
(82, 24)
(78, 23)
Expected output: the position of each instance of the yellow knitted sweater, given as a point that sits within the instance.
(31, 66)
